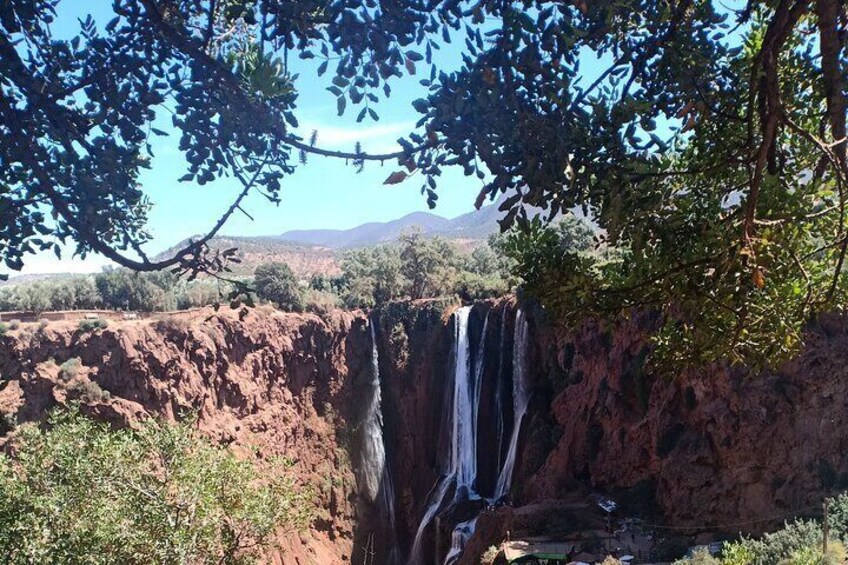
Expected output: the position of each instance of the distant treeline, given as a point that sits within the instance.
(115, 289)
(414, 267)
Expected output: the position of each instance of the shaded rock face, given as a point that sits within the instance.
(282, 385)
(712, 447)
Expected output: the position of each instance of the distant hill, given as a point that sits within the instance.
(476, 225)
(304, 259)
(318, 251)
(36, 278)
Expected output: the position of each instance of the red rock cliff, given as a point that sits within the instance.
(285, 384)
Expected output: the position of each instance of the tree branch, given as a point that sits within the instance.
(185, 44)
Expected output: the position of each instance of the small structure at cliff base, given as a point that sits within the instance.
(523, 551)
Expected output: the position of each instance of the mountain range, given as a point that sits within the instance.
(476, 225)
(317, 251)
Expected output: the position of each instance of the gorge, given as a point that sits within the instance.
(432, 431)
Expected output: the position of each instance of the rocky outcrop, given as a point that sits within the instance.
(715, 446)
(268, 384)
(719, 449)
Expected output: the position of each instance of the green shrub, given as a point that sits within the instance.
(3, 328)
(91, 325)
(43, 323)
(812, 555)
(736, 554)
(798, 543)
(69, 369)
(320, 302)
(277, 283)
(15, 325)
(87, 391)
(80, 492)
(780, 545)
(699, 557)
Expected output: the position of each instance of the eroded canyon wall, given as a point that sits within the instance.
(717, 448)
(711, 447)
(269, 384)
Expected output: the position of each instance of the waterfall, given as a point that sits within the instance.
(479, 362)
(435, 498)
(499, 392)
(520, 399)
(463, 454)
(462, 468)
(461, 534)
(376, 479)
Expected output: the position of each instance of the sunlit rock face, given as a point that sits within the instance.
(270, 385)
(710, 447)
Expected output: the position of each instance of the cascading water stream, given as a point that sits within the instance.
(463, 414)
(463, 452)
(376, 479)
(520, 400)
(462, 466)
(499, 393)
(461, 534)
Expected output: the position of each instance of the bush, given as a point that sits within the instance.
(700, 557)
(3, 328)
(276, 282)
(777, 547)
(80, 492)
(87, 391)
(91, 325)
(15, 325)
(812, 555)
(43, 323)
(69, 369)
(321, 303)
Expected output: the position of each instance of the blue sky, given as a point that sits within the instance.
(325, 193)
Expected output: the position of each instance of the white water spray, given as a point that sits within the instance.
(520, 400)
(376, 480)
(462, 467)
(461, 534)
